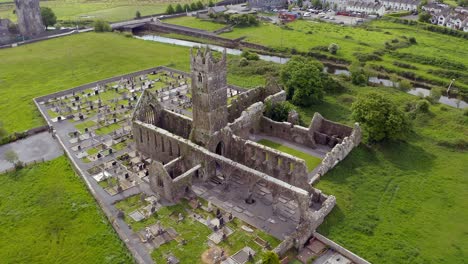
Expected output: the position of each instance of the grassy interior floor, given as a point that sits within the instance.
(311, 161)
(48, 216)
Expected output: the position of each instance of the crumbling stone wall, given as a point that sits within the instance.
(29, 17)
(339, 152)
(327, 132)
(306, 229)
(246, 99)
(288, 131)
(5, 34)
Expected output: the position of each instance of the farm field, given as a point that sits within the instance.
(193, 22)
(48, 216)
(110, 10)
(46, 67)
(357, 43)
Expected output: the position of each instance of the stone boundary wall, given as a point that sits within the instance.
(338, 153)
(112, 79)
(177, 123)
(343, 251)
(288, 131)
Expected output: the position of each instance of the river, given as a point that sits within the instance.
(419, 91)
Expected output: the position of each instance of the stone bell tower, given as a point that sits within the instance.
(29, 17)
(209, 95)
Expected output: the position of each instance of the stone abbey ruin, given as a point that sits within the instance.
(214, 150)
(29, 17)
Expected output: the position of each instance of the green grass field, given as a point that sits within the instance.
(195, 23)
(54, 65)
(110, 10)
(48, 216)
(303, 35)
(311, 161)
(401, 202)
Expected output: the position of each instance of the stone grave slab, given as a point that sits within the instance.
(137, 216)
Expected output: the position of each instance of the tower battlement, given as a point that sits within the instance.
(203, 61)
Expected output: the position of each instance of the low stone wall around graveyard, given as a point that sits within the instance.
(100, 82)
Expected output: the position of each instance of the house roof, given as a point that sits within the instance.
(218, 9)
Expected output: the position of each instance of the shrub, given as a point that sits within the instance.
(412, 40)
(250, 55)
(333, 48)
(243, 62)
(423, 106)
(278, 112)
(405, 85)
(102, 26)
(436, 93)
(137, 14)
(270, 258)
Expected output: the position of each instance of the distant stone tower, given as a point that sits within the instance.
(209, 95)
(29, 17)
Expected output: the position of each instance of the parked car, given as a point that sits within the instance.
(307, 14)
(332, 18)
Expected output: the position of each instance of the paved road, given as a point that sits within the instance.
(37, 147)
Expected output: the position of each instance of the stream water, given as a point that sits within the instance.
(419, 91)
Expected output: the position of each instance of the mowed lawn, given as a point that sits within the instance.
(48, 216)
(194, 22)
(45, 67)
(310, 160)
(401, 202)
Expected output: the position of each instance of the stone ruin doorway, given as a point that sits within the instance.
(220, 148)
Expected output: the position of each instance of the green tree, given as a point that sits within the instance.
(380, 117)
(137, 14)
(302, 79)
(102, 26)
(333, 48)
(424, 17)
(170, 10)
(48, 16)
(193, 6)
(317, 3)
(187, 8)
(179, 9)
(210, 4)
(200, 5)
(278, 112)
(358, 75)
(299, 3)
(270, 258)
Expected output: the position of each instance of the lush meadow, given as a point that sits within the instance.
(48, 216)
(46, 67)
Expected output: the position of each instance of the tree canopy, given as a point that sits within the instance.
(302, 79)
(380, 117)
(270, 258)
(48, 16)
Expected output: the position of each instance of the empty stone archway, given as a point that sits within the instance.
(220, 148)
